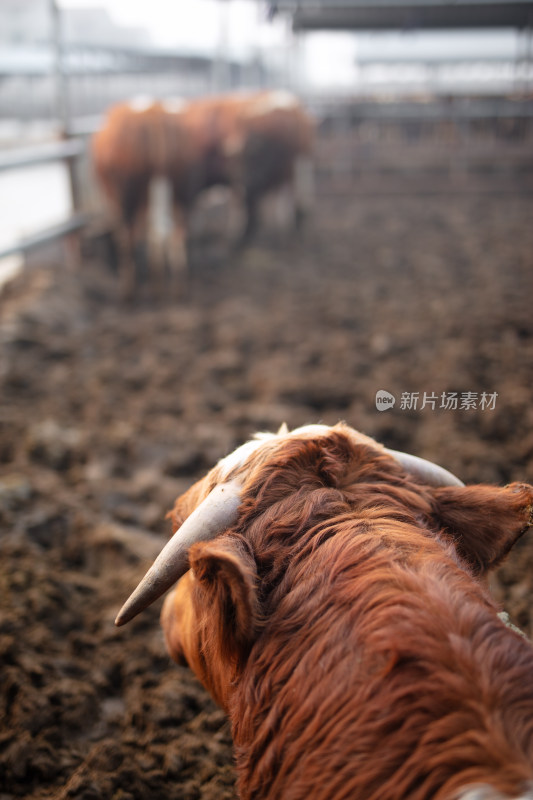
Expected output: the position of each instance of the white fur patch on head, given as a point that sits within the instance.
(272, 101)
(141, 103)
(242, 454)
(311, 430)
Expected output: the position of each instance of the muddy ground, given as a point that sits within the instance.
(108, 412)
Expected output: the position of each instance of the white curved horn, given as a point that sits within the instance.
(217, 512)
(425, 471)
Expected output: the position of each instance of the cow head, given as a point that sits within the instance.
(237, 528)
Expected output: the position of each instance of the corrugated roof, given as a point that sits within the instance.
(402, 15)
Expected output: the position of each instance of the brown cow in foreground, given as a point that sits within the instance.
(335, 608)
(252, 142)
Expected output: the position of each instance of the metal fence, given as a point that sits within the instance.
(449, 137)
(95, 77)
(68, 151)
(355, 137)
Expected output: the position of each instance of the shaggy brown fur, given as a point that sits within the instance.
(342, 627)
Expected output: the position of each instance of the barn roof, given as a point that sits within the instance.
(405, 14)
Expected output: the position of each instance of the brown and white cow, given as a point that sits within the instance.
(141, 147)
(332, 602)
(255, 143)
(252, 142)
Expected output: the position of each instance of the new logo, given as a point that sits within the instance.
(384, 400)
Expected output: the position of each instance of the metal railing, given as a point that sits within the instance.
(346, 118)
(72, 225)
(41, 154)
(63, 151)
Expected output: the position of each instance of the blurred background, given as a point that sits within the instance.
(454, 81)
(412, 278)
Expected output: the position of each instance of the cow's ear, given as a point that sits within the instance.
(484, 521)
(226, 576)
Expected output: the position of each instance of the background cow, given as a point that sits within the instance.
(141, 146)
(253, 143)
(339, 617)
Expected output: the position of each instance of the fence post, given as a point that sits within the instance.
(72, 240)
(61, 87)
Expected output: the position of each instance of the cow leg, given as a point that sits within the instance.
(300, 216)
(286, 211)
(132, 233)
(303, 190)
(126, 261)
(123, 256)
(251, 204)
(160, 225)
(177, 255)
(156, 257)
